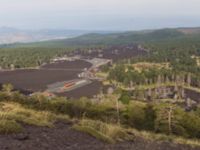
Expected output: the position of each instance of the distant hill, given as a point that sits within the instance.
(129, 37)
(11, 35)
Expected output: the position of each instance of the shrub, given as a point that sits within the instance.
(191, 123)
(150, 116)
(136, 115)
(125, 98)
(9, 126)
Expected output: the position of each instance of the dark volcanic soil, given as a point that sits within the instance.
(37, 79)
(34, 80)
(78, 64)
(86, 91)
(193, 95)
(114, 52)
(62, 137)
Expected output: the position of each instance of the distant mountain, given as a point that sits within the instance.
(11, 35)
(131, 37)
(106, 38)
(111, 38)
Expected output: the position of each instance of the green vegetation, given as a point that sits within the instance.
(11, 58)
(158, 81)
(149, 98)
(106, 132)
(129, 76)
(170, 68)
(94, 39)
(9, 126)
(135, 114)
(12, 114)
(166, 45)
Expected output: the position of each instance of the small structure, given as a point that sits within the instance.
(65, 86)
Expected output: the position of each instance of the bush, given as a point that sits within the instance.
(125, 98)
(150, 116)
(191, 123)
(136, 115)
(9, 126)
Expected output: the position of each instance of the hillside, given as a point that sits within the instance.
(151, 100)
(130, 37)
(35, 122)
(10, 35)
(34, 54)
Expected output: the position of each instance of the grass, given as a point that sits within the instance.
(147, 65)
(13, 114)
(161, 137)
(102, 75)
(110, 133)
(110, 102)
(106, 82)
(9, 126)
(152, 86)
(93, 132)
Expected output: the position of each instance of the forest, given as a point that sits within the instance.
(182, 56)
(13, 58)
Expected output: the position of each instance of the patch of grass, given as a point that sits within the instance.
(152, 86)
(106, 82)
(112, 133)
(93, 133)
(147, 65)
(11, 114)
(9, 126)
(162, 137)
(102, 74)
(64, 118)
(103, 131)
(13, 111)
(109, 102)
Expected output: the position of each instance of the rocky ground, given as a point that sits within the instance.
(63, 137)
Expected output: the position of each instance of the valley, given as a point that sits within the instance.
(78, 65)
(100, 75)
(115, 91)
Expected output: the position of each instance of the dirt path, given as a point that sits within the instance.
(62, 137)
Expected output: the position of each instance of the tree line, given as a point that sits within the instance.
(12, 58)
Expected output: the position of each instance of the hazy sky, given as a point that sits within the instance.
(99, 14)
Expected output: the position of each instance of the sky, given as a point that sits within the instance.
(99, 14)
